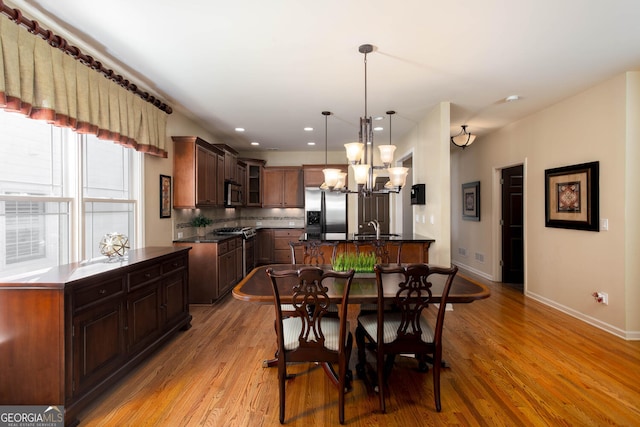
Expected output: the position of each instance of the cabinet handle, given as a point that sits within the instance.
(102, 291)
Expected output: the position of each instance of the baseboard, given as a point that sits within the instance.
(473, 270)
(627, 335)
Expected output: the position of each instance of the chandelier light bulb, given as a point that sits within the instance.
(354, 151)
(386, 153)
(398, 176)
(361, 173)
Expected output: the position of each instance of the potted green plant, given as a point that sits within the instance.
(201, 222)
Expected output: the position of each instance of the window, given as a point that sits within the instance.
(60, 192)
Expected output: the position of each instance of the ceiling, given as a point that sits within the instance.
(272, 67)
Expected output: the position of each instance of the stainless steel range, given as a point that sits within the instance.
(248, 244)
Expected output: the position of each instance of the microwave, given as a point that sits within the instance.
(232, 194)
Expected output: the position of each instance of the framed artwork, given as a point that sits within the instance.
(165, 196)
(471, 201)
(572, 197)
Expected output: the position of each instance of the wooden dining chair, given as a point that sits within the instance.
(405, 330)
(311, 335)
(313, 252)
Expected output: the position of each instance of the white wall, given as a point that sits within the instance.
(159, 231)
(563, 267)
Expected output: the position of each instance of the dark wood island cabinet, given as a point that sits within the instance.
(70, 332)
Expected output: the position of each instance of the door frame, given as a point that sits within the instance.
(496, 228)
(399, 208)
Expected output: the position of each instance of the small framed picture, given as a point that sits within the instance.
(471, 201)
(165, 196)
(571, 197)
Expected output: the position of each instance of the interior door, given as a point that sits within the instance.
(513, 225)
(375, 206)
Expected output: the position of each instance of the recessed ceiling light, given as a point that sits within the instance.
(378, 118)
(255, 143)
(308, 129)
(512, 98)
(311, 143)
(378, 128)
(239, 129)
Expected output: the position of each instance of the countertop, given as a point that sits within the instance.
(350, 237)
(334, 237)
(207, 238)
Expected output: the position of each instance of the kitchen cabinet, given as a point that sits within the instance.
(213, 269)
(241, 176)
(283, 187)
(314, 177)
(230, 162)
(253, 182)
(79, 328)
(229, 264)
(281, 239)
(196, 174)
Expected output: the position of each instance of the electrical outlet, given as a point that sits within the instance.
(258, 222)
(180, 234)
(601, 297)
(292, 223)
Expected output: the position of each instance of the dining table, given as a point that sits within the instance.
(256, 287)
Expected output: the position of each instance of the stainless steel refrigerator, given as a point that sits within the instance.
(325, 211)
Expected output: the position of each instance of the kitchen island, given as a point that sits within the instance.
(410, 246)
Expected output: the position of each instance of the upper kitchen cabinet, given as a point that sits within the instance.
(283, 187)
(253, 182)
(196, 173)
(230, 162)
(313, 175)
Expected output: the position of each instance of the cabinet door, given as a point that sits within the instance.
(264, 250)
(273, 188)
(174, 297)
(99, 344)
(253, 190)
(293, 188)
(220, 181)
(143, 315)
(206, 176)
(239, 272)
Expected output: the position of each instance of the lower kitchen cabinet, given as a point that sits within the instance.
(214, 268)
(79, 328)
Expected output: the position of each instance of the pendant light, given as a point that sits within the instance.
(331, 176)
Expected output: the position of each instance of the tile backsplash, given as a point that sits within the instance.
(250, 217)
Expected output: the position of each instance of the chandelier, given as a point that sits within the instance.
(360, 155)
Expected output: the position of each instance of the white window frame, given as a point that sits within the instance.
(73, 196)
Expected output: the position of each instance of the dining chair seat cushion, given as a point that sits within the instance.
(391, 324)
(292, 326)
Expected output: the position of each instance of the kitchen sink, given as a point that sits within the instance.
(368, 236)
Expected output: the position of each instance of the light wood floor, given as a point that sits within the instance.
(514, 362)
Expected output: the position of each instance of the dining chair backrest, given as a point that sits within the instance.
(412, 295)
(375, 246)
(310, 303)
(314, 252)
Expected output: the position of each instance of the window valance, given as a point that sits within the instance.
(44, 83)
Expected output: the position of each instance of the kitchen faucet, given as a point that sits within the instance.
(376, 226)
